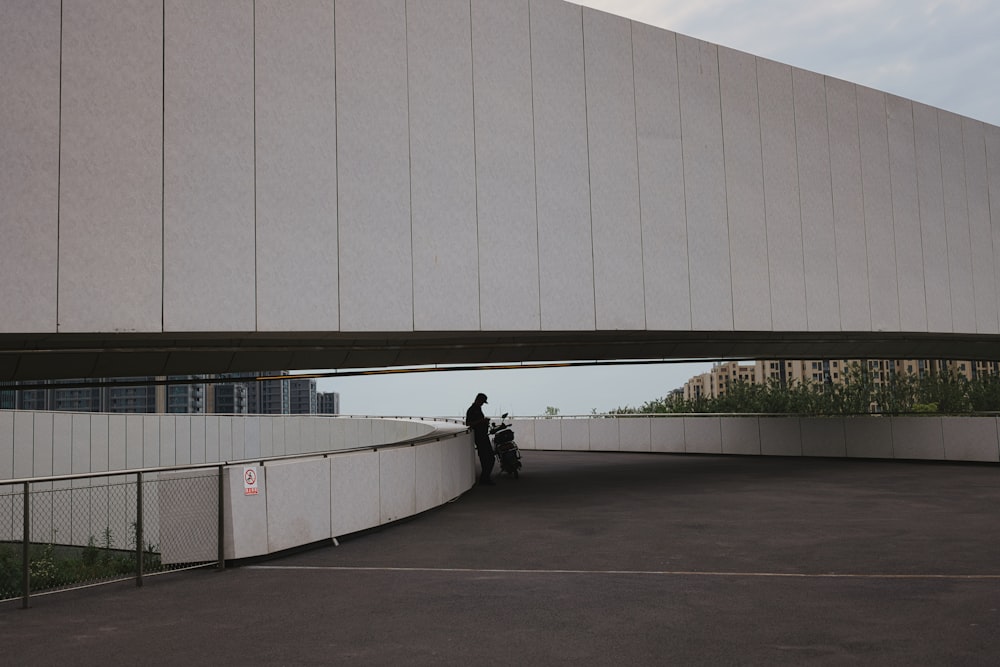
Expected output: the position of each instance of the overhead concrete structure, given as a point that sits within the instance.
(194, 186)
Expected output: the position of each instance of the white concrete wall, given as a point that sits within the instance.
(180, 166)
(906, 438)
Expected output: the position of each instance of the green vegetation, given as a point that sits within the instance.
(859, 393)
(53, 566)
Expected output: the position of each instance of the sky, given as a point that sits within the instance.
(944, 53)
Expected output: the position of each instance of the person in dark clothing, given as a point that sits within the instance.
(480, 425)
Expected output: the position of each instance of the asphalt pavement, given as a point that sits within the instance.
(590, 559)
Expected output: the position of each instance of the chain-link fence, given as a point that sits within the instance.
(83, 530)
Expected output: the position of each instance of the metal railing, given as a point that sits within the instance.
(61, 532)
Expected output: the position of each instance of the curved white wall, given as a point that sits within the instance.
(173, 167)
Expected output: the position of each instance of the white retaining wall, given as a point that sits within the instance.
(941, 438)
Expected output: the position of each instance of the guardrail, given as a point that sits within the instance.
(67, 531)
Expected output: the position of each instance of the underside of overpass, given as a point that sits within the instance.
(131, 355)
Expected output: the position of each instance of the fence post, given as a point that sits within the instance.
(222, 523)
(138, 529)
(26, 563)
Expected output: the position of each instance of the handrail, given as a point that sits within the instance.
(410, 442)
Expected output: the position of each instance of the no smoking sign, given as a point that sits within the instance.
(250, 481)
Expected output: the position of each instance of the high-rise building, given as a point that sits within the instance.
(302, 396)
(328, 403)
(269, 397)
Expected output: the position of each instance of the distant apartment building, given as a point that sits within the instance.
(716, 382)
(328, 403)
(269, 397)
(302, 396)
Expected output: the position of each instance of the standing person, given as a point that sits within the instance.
(480, 425)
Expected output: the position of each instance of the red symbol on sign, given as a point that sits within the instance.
(250, 476)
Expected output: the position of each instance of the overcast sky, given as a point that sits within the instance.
(945, 53)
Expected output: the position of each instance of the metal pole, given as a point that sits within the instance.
(26, 574)
(222, 524)
(138, 529)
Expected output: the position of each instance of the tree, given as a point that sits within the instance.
(551, 411)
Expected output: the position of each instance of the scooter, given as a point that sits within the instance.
(505, 447)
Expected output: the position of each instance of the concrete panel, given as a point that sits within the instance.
(548, 434)
(354, 492)
(575, 434)
(24, 440)
(245, 533)
(296, 166)
(278, 436)
(428, 476)
(213, 435)
(42, 445)
(524, 433)
(198, 439)
(91, 443)
(293, 435)
(781, 193)
(917, 438)
(819, 243)
(667, 434)
(877, 194)
(970, 439)
(133, 441)
(505, 173)
(741, 435)
(251, 436)
(634, 434)
(167, 426)
(661, 178)
(703, 435)
(848, 207)
(230, 444)
(458, 470)
(559, 105)
(29, 174)
(378, 431)
(182, 433)
(117, 443)
(208, 185)
(956, 216)
(984, 285)
(993, 174)
(298, 503)
(373, 167)
(62, 446)
(442, 165)
(397, 485)
(6, 445)
(745, 191)
(604, 435)
(614, 172)
(111, 167)
(868, 437)
(780, 436)
(933, 232)
(825, 436)
(906, 214)
(151, 441)
(705, 184)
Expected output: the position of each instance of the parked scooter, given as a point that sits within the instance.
(505, 447)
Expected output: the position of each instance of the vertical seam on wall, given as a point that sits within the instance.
(680, 132)
(256, 267)
(163, 166)
(336, 174)
(892, 209)
(763, 192)
(920, 216)
(409, 160)
(475, 167)
(968, 218)
(864, 208)
(58, 167)
(798, 190)
(833, 201)
(590, 185)
(638, 178)
(944, 217)
(989, 214)
(725, 187)
(534, 171)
